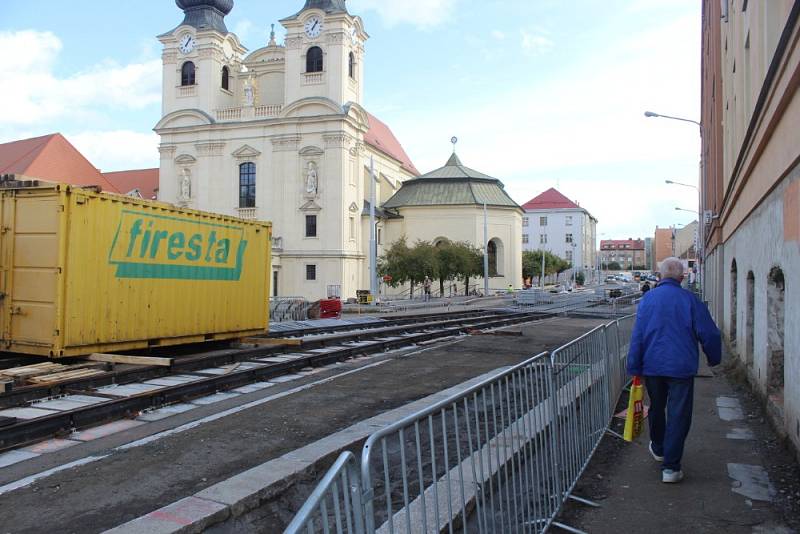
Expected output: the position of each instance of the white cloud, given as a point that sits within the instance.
(420, 13)
(497, 34)
(117, 149)
(535, 44)
(37, 94)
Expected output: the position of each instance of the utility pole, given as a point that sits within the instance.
(373, 246)
(485, 252)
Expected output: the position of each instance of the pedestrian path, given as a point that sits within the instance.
(738, 477)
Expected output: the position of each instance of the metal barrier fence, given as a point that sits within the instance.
(502, 456)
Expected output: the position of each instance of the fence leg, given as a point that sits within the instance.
(568, 528)
(614, 434)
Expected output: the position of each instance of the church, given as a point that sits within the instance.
(280, 134)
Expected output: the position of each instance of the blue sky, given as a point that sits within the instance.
(541, 93)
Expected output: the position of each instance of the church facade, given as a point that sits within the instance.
(280, 134)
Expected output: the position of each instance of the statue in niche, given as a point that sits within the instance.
(249, 92)
(185, 185)
(311, 179)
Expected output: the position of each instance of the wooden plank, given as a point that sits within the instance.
(134, 360)
(271, 341)
(59, 377)
(32, 370)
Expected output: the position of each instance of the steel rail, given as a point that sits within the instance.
(28, 431)
(223, 356)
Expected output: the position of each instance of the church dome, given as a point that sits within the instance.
(206, 14)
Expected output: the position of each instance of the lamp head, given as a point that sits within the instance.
(669, 181)
(650, 114)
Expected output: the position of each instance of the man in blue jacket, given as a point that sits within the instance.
(669, 323)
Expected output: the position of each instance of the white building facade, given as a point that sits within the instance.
(278, 134)
(554, 223)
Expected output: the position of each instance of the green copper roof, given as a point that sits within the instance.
(451, 185)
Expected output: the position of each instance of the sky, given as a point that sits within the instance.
(540, 93)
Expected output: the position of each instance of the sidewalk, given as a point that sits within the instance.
(738, 478)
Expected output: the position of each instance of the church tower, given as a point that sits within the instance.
(324, 53)
(200, 59)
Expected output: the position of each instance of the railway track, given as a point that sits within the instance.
(185, 380)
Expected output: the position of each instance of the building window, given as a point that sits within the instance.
(543, 239)
(379, 237)
(568, 221)
(247, 185)
(311, 226)
(314, 59)
(492, 250)
(569, 238)
(187, 73)
(524, 239)
(569, 256)
(226, 75)
(352, 228)
(351, 66)
(525, 221)
(542, 221)
(311, 272)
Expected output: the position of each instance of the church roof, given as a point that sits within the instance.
(328, 6)
(451, 185)
(51, 158)
(380, 137)
(143, 180)
(205, 14)
(550, 199)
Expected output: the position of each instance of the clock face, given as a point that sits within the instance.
(313, 27)
(186, 43)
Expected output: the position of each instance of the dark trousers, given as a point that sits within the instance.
(670, 416)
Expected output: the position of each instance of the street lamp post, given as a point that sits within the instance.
(701, 224)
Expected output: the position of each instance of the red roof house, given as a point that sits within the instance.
(549, 200)
(53, 159)
(143, 180)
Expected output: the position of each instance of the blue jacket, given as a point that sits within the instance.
(669, 323)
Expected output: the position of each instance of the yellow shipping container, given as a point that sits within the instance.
(86, 272)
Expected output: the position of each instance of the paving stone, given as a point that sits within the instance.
(50, 445)
(105, 430)
(216, 397)
(26, 413)
(191, 511)
(284, 378)
(740, 433)
(127, 390)
(252, 388)
(166, 411)
(752, 481)
(174, 380)
(13, 457)
(67, 403)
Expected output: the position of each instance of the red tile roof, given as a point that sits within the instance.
(614, 244)
(550, 199)
(379, 136)
(51, 158)
(145, 180)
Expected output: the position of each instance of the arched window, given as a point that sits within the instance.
(247, 185)
(226, 78)
(776, 320)
(351, 66)
(492, 249)
(187, 73)
(314, 59)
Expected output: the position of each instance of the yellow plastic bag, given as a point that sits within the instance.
(635, 416)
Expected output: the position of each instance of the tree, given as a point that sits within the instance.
(532, 264)
(614, 266)
(422, 263)
(580, 278)
(395, 263)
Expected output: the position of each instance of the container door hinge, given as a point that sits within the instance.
(4, 229)
(2, 295)
(16, 310)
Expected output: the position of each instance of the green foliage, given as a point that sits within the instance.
(447, 260)
(614, 266)
(580, 278)
(532, 264)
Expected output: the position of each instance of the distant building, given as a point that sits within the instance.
(628, 253)
(663, 246)
(648, 252)
(686, 241)
(751, 193)
(554, 223)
